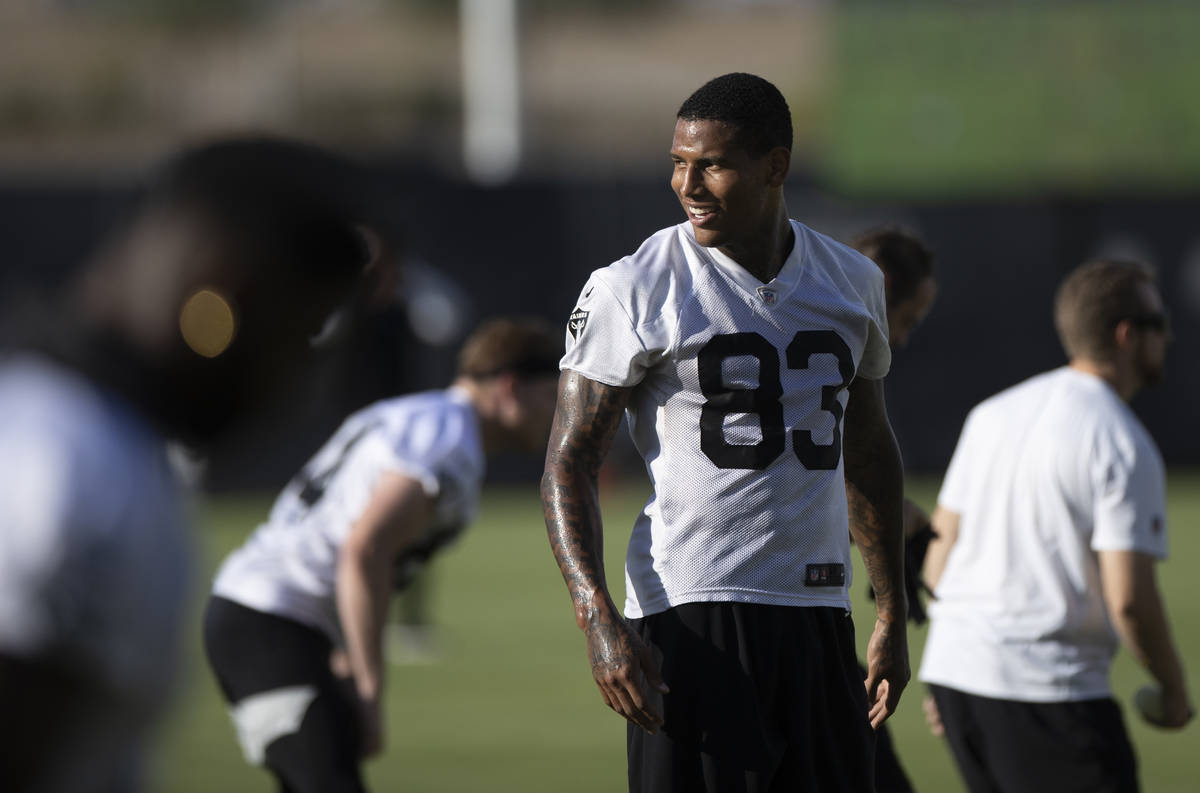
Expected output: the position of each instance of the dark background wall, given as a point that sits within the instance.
(528, 247)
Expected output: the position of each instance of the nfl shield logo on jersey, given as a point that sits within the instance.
(577, 322)
(768, 295)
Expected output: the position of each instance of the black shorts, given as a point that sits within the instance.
(1004, 746)
(763, 699)
(252, 653)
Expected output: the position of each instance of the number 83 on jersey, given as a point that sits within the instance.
(765, 400)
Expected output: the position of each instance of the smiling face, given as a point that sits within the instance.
(729, 196)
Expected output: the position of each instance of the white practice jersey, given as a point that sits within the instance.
(288, 566)
(738, 393)
(1045, 475)
(94, 556)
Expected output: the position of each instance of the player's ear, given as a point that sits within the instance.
(779, 162)
(1123, 333)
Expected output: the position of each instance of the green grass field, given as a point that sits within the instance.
(512, 707)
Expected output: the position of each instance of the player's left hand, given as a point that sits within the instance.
(887, 669)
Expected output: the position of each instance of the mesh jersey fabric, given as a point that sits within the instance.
(738, 390)
(1046, 474)
(288, 566)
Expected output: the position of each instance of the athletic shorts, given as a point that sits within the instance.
(1004, 746)
(289, 710)
(763, 699)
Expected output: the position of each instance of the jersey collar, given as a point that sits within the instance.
(775, 291)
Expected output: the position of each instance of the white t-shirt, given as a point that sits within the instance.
(738, 396)
(1045, 475)
(94, 555)
(289, 565)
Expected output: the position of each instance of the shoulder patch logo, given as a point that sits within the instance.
(577, 322)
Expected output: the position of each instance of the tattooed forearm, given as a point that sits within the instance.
(874, 494)
(587, 417)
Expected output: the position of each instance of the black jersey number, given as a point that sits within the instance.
(763, 401)
(312, 484)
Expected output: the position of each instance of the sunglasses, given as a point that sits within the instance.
(1158, 321)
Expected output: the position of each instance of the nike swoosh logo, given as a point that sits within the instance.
(588, 293)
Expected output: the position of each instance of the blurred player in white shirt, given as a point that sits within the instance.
(743, 346)
(395, 483)
(195, 313)
(1049, 523)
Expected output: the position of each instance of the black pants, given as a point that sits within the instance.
(764, 699)
(250, 653)
(1004, 746)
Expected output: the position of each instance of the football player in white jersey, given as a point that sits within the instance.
(911, 289)
(748, 352)
(395, 483)
(1049, 523)
(200, 306)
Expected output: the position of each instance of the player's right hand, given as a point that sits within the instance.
(1177, 710)
(625, 670)
(933, 717)
(370, 713)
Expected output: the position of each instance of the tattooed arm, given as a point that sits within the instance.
(874, 493)
(588, 415)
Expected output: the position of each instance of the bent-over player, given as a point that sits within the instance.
(395, 483)
(748, 351)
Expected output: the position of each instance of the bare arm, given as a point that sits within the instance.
(1140, 618)
(586, 419)
(399, 511)
(874, 488)
(945, 529)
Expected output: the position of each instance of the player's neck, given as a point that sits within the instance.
(1120, 378)
(764, 254)
(491, 432)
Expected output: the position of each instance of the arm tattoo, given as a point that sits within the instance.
(874, 495)
(585, 422)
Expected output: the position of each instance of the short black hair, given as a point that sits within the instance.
(751, 104)
(292, 206)
(901, 254)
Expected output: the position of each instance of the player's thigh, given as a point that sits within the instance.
(966, 736)
(289, 710)
(324, 754)
(760, 695)
(250, 651)
(1055, 747)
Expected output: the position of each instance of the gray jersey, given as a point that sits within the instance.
(739, 388)
(94, 559)
(289, 565)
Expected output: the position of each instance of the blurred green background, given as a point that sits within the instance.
(511, 706)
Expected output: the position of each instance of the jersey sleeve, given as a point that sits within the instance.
(877, 353)
(1130, 497)
(603, 341)
(443, 456)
